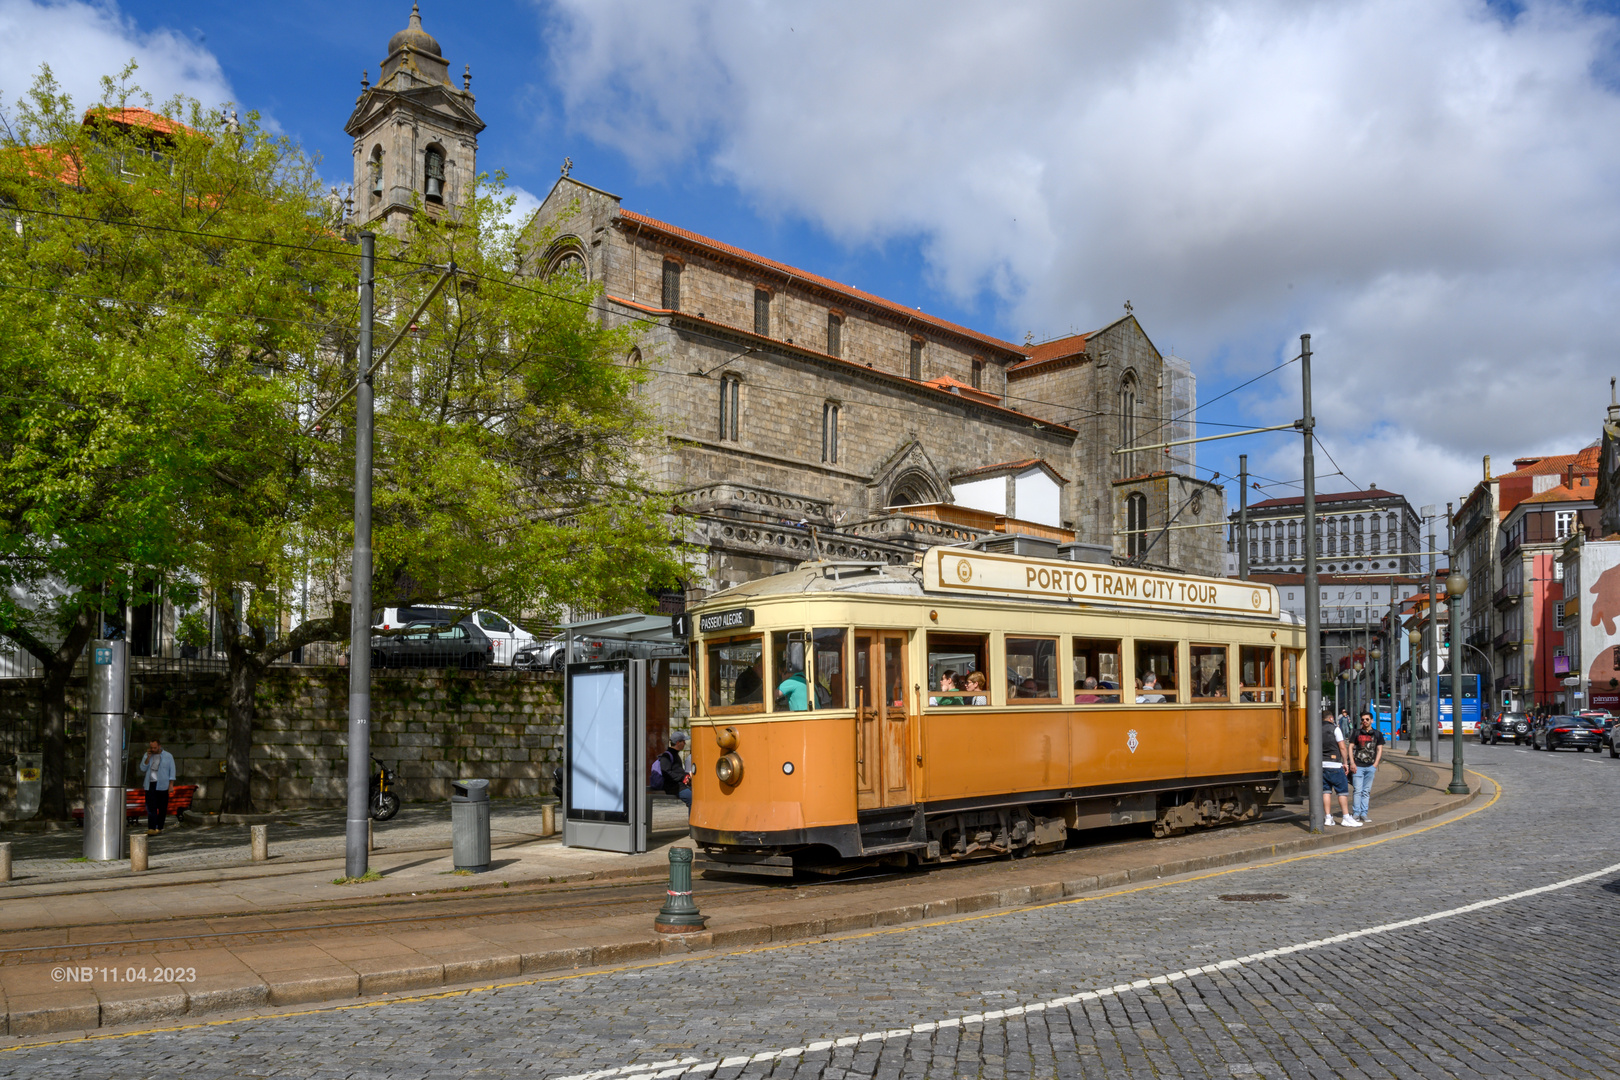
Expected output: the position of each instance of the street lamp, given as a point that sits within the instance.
(1415, 636)
(1456, 585)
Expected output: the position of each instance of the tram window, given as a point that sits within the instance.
(788, 671)
(1259, 679)
(1156, 675)
(1032, 670)
(951, 659)
(734, 673)
(1208, 672)
(831, 683)
(1293, 679)
(1096, 671)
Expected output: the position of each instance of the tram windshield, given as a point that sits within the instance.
(735, 675)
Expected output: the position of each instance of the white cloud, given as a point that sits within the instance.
(1427, 186)
(84, 41)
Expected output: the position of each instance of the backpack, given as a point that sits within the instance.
(1330, 741)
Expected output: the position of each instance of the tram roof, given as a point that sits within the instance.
(883, 579)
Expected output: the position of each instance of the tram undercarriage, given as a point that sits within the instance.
(910, 836)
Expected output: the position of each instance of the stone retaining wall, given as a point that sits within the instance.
(432, 726)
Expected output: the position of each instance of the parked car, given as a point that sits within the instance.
(426, 644)
(1601, 719)
(1558, 732)
(1506, 727)
(507, 637)
(552, 655)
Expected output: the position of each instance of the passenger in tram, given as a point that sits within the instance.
(1147, 690)
(1086, 697)
(793, 692)
(1216, 686)
(978, 685)
(947, 681)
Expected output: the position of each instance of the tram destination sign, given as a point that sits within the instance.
(988, 573)
(734, 619)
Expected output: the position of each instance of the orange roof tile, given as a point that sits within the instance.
(953, 385)
(1057, 349)
(795, 274)
(1583, 459)
(133, 118)
(1563, 494)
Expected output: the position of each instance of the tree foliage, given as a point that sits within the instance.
(179, 293)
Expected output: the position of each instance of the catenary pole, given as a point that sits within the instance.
(1434, 648)
(354, 834)
(1393, 651)
(1313, 603)
(1243, 517)
(1454, 591)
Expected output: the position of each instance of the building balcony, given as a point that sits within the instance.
(1507, 641)
(1506, 596)
(1479, 638)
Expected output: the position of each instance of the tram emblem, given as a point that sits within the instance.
(1131, 741)
(1255, 600)
(964, 571)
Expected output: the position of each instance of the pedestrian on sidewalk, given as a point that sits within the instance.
(1335, 762)
(670, 773)
(1366, 752)
(157, 767)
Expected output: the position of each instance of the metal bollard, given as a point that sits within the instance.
(679, 915)
(548, 820)
(5, 861)
(261, 842)
(137, 853)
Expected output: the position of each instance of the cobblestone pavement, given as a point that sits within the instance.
(1525, 987)
(294, 835)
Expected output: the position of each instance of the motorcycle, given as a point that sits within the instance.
(384, 802)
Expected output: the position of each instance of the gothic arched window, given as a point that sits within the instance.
(1135, 524)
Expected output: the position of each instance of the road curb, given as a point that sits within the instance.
(60, 1009)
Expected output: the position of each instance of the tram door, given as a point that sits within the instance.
(882, 724)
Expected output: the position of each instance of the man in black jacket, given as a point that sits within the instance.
(669, 772)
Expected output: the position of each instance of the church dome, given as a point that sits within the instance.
(413, 36)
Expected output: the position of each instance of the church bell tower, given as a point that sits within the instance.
(415, 134)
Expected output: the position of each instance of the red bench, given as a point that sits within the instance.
(180, 796)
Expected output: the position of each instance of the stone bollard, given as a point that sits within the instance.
(679, 915)
(548, 820)
(261, 842)
(5, 861)
(137, 853)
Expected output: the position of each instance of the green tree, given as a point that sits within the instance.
(165, 283)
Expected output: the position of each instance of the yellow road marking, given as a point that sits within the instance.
(710, 954)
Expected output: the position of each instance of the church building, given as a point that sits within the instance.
(808, 418)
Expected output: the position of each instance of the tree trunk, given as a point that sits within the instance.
(243, 677)
(58, 664)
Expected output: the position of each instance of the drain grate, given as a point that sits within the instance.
(1253, 897)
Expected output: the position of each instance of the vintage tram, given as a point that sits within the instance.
(977, 704)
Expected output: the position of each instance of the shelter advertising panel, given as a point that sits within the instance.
(605, 801)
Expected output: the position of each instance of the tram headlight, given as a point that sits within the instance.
(729, 769)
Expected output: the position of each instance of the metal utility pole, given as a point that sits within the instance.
(1456, 585)
(355, 851)
(1434, 646)
(1393, 651)
(1313, 602)
(1243, 517)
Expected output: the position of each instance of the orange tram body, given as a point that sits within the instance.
(976, 704)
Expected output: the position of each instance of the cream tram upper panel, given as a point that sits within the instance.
(981, 573)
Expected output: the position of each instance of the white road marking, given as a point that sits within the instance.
(690, 1066)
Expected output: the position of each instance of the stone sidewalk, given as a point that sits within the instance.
(86, 981)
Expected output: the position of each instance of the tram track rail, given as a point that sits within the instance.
(492, 902)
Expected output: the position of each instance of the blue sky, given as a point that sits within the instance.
(1430, 187)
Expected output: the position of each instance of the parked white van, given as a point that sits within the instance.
(507, 635)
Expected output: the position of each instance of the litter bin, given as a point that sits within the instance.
(469, 825)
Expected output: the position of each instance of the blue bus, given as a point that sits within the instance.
(1470, 705)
